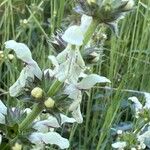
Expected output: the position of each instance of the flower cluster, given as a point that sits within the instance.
(139, 137)
(70, 67)
(107, 12)
(69, 70)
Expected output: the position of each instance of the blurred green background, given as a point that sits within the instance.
(126, 61)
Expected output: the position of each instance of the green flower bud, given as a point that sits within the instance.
(145, 119)
(10, 56)
(17, 146)
(91, 1)
(1, 54)
(49, 103)
(37, 93)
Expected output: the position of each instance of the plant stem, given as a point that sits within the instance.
(90, 31)
(54, 88)
(37, 108)
(7, 146)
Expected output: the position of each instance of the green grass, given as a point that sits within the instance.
(126, 62)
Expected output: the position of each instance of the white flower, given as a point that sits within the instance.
(23, 53)
(143, 137)
(21, 82)
(49, 138)
(85, 23)
(68, 65)
(72, 67)
(45, 135)
(76, 113)
(119, 132)
(119, 145)
(75, 34)
(21, 50)
(32, 69)
(52, 122)
(74, 92)
(89, 81)
(3, 112)
(35, 69)
(137, 104)
(147, 98)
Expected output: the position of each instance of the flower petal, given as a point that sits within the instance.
(22, 81)
(21, 50)
(89, 81)
(85, 22)
(55, 138)
(119, 145)
(53, 60)
(35, 69)
(76, 113)
(52, 122)
(73, 92)
(44, 125)
(138, 105)
(61, 57)
(2, 119)
(74, 73)
(49, 138)
(62, 72)
(147, 98)
(144, 139)
(65, 119)
(73, 35)
(80, 60)
(3, 108)
(36, 138)
(24, 53)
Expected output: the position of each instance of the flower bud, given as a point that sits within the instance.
(1, 54)
(49, 103)
(133, 148)
(91, 1)
(37, 93)
(25, 21)
(10, 56)
(145, 119)
(17, 146)
(119, 132)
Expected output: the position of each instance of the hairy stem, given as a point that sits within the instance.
(90, 31)
(37, 108)
(54, 88)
